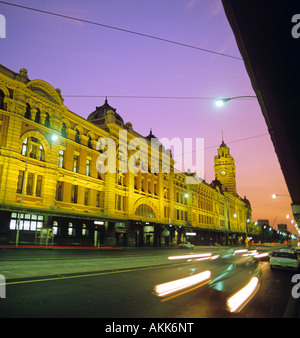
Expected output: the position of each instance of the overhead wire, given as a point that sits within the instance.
(121, 29)
(142, 35)
(152, 97)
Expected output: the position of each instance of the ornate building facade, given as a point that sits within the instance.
(55, 181)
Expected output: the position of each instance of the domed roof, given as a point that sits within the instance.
(223, 145)
(101, 112)
(150, 136)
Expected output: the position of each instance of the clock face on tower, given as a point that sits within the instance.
(225, 168)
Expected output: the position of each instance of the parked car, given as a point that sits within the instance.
(285, 259)
(298, 252)
(186, 245)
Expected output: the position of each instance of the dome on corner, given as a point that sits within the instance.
(101, 112)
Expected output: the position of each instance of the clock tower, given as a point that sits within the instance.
(225, 168)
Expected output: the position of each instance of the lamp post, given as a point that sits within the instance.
(22, 194)
(221, 102)
(246, 241)
(274, 196)
(54, 137)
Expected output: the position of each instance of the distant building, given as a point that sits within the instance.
(263, 222)
(282, 227)
(53, 182)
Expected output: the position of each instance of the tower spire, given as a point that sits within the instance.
(223, 143)
(225, 168)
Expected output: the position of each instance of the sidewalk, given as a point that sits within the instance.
(56, 247)
(23, 267)
(34, 261)
(118, 248)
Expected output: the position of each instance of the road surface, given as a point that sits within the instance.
(86, 284)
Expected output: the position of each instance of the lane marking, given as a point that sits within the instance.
(90, 274)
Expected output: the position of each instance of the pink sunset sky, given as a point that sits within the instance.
(84, 59)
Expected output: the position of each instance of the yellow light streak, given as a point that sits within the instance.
(242, 296)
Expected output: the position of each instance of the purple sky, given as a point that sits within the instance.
(84, 59)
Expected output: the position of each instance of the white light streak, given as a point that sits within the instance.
(189, 256)
(264, 254)
(180, 284)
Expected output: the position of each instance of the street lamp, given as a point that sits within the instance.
(274, 196)
(221, 102)
(54, 137)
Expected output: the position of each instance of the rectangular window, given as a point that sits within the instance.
(27, 222)
(75, 164)
(85, 231)
(86, 196)
(13, 224)
(102, 196)
(59, 191)
(70, 229)
(20, 181)
(61, 158)
(39, 182)
(98, 199)
(120, 203)
(30, 180)
(74, 193)
(88, 168)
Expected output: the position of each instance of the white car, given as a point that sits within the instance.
(284, 259)
(186, 245)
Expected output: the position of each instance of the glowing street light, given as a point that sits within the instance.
(221, 102)
(274, 196)
(54, 137)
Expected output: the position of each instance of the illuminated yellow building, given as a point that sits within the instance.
(52, 180)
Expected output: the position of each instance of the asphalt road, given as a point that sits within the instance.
(85, 284)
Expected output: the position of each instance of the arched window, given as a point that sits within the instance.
(37, 116)
(90, 143)
(77, 139)
(1, 99)
(145, 211)
(28, 111)
(34, 148)
(63, 130)
(47, 121)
